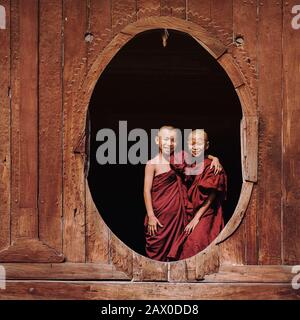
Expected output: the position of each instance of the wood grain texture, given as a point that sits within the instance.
(104, 271)
(147, 8)
(173, 8)
(24, 215)
(232, 251)
(50, 123)
(252, 273)
(15, 118)
(105, 290)
(5, 131)
(232, 69)
(123, 13)
(270, 112)
(100, 26)
(30, 250)
(97, 232)
(214, 16)
(245, 21)
(120, 255)
(63, 271)
(222, 13)
(291, 129)
(75, 23)
(249, 148)
(245, 25)
(145, 269)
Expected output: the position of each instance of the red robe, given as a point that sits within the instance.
(211, 223)
(168, 200)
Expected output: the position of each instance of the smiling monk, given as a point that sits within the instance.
(206, 192)
(165, 197)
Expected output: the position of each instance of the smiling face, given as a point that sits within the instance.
(166, 139)
(197, 142)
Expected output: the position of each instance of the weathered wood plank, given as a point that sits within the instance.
(50, 123)
(104, 271)
(291, 129)
(123, 13)
(252, 273)
(63, 271)
(24, 119)
(249, 147)
(100, 24)
(75, 23)
(147, 8)
(232, 251)
(270, 111)
(120, 255)
(5, 130)
(232, 69)
(245, 27)
(173, 8)
(198, 8)
(30, 250)
(222, 14)
(97, 232)
(103, 290)
(178, 271)
(245, 55)
(145, 269)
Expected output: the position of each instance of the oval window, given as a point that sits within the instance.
(149, 84)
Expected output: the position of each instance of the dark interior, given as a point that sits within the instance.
(149, 86)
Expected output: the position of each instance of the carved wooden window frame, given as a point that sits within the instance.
(206, 261)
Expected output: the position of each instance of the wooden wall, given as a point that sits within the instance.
(47, 216)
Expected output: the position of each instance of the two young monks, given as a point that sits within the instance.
(183, 200)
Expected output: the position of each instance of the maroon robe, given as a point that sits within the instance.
(168, 200)
(211, 223)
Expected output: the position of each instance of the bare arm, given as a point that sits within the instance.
(207, 203)
(149, 174)
(215, 164)
(152, 220)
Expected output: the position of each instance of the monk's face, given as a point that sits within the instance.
(166, 140)
(197, 143)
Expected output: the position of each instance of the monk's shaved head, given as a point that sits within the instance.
(198, 133)
(170, 128)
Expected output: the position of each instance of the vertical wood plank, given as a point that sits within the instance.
(245, 25)
(173, 8)
(75, 25)
(270, 109)
(123, 13)
(222, 15)
(291, 129)
(50, 123)
(5, 130)
(25, 119)
(100, 24)
(200, 8)
(147, 8)
(97, 232)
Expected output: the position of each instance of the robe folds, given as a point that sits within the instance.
(169, 197)
(211, 222)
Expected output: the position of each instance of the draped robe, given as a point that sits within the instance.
(169, 196)
(211, 222)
